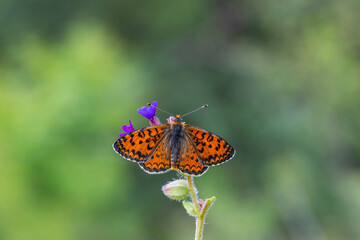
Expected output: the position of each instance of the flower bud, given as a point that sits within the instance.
(190, 209)
(177, 190)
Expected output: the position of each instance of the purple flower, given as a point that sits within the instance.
(149, 113)
(127, 129)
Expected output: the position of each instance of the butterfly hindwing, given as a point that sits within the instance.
(138, 145)
(211, 149)
(188, 159)
(159, 161)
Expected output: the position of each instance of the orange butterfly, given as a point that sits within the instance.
(175, 146)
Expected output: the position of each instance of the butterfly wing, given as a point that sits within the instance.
(211, 149)
(159, 161)
(188, 159)
(139, 145)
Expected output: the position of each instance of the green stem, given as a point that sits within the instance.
(200, 211)
(199, 228)
(193, 193)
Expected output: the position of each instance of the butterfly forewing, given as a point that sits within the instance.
(140, 144)
(210, 148)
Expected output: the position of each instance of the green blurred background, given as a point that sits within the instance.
(282, 79)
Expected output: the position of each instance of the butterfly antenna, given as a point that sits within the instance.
(149, 104)
(204, 106)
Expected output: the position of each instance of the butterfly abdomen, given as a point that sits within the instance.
(177, 135)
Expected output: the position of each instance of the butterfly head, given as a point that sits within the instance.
(178, 118)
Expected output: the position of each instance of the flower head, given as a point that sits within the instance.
(127, 129)
(149, 113)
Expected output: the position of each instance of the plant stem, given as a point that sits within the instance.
(199, 228)
(193, 193)
(200, 211)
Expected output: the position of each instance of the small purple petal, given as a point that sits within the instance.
(148, 112)
(127, 129)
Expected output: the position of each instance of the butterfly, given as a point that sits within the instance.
(174, 146)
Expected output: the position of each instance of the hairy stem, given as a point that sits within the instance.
(193, 193)
(199, 228)
(200, 210)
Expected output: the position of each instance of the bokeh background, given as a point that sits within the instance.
(282, 79)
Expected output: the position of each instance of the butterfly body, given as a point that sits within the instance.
(175, 146)
(176, 132)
